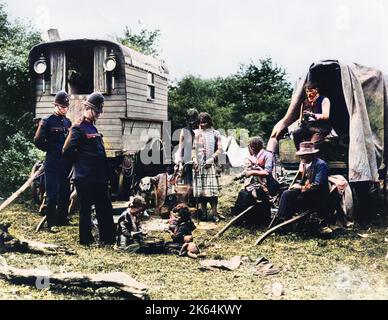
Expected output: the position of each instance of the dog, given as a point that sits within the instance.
(147, 190)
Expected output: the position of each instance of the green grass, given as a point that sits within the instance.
(343, 267)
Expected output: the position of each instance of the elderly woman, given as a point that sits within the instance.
(257, 173)
(206, 150)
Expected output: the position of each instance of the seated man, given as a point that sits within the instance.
(312, 191)
(314, 124)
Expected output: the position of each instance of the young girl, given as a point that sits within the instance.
(181, 229)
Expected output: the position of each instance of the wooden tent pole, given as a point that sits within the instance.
(23, 188)
(270, 231)
(234, 220)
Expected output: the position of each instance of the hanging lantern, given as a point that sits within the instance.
(40, 68)
(110, 65)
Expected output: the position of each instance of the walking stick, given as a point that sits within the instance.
(289, 188)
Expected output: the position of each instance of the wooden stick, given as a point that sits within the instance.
(234, 220)
(23, 188)
(270, 231)
(289, 188)
(41, 224)
(293, 181)
(119, 280)
(73, 202)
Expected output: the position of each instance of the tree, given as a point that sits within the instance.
(16, 40)
(254, 98)
(16, 101)
(146, 41)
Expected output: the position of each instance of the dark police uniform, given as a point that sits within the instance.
(84, 147)
(50, 137)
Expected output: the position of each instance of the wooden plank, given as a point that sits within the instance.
(113, 97)
(135, 82)
(160, 81)
(139, 92)
(111, 104)
(109, 122)
(109, 112)
(134, 79)
(137, 97)
(146, 104)
(155, 104)
(110, 109)
(44, 104)
(134, 85)
(113, 109)
(150, 116)
(161, 95)
(136, 72)
(141, 124)
(147, 112)
(113, 127)
(144, 98)
(161, 89)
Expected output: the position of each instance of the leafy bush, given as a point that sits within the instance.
(16, 161)
(16, 97)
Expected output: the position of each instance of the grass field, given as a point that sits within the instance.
(346, 266)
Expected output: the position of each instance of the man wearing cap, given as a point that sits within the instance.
(85, 148)
(50, 137)
(313, 190)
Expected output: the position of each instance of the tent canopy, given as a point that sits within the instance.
(358, 97)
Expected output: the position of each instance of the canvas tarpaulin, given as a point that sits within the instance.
(365, 93)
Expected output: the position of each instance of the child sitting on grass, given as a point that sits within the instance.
(129, 231)
(181, 228)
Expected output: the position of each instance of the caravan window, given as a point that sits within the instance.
(80, 69)
(150, 86)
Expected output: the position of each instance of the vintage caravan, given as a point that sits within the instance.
(135, 87)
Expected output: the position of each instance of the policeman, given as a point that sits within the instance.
(84, 147)
(50, 137)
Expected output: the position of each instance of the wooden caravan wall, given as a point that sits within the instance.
(137, 104)
(137, 133)
(109, 124)
(144, 118)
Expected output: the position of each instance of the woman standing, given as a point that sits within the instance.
(207, 148)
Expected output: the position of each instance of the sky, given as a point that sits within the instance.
(211, 38)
